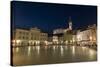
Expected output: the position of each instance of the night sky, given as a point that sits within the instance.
(48, 17)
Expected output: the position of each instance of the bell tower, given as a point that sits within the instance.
(70, 23)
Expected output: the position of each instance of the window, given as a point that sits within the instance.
(19, 37)
(26, 37)
(31, 38)
(20, 32)
(23, 37)
(27, 34)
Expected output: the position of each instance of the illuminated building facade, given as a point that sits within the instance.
(58, 36)
(20, 37)
(44, 38)
(88, 36)
(68, 37)
(34, 36)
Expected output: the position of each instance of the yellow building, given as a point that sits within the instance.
(20, 37)
(34, 36)
(44, 38)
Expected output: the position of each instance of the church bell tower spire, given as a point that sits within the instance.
(70, 23)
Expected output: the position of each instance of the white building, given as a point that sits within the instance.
(20, 37)
(34, 36)
(58, 31)
(83, 37)
(87, 36)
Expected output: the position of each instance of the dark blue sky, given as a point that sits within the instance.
(51, 16)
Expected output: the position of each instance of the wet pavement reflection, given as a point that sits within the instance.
(32, 55)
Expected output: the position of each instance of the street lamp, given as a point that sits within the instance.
(90, 38)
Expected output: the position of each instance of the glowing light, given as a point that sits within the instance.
(29, 49)
(17, 49)
(38, 49)
(54, 48)
(66, 42)
(92, 53)
(71, 41)
(30, 41)
(18, 41)
(83, 48)
(37, 42)
(73, 50)
(79, 37)
(46, 42)
(62, 50)
(91, 38)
